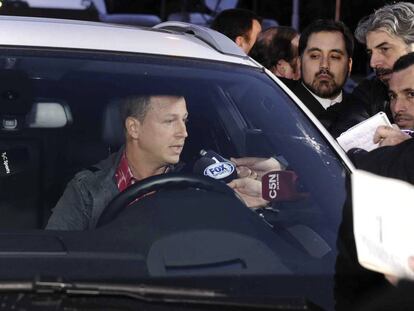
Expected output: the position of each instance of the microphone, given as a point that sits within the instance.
(13, 161)
(213, 165)
(281, 186)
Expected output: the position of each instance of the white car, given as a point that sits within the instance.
(190, 243)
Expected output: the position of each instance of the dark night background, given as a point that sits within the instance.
(281, 10)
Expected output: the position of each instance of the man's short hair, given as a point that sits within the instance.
(274, 44)
(396, 19)
(135, 106)
(322, 25)
(404, 62)
(235, 22)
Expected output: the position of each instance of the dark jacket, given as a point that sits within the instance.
(391, 161)
(373, 94)
(335, 119)
(86, 196)
(354, 284)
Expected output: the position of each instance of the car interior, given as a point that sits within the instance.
(48, 137)
(59, 119)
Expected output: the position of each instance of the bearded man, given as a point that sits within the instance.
(325, 50)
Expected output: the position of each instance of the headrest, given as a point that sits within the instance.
(112, 125)
(49, 115)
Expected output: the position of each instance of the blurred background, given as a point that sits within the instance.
(296, 13)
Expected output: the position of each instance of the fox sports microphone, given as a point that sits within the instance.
(213, 165)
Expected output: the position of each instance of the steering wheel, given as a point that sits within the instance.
(165, 182)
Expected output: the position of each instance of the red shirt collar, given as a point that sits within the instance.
(123, 174)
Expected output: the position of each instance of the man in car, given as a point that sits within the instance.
(388, 34)
(155, 133)
(325, 51)
(241, 26)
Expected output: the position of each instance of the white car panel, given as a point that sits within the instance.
(39, 32)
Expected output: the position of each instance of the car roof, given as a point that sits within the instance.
(59, 33)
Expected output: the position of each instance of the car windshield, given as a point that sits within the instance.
(60, 115)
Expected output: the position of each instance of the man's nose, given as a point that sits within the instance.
(376, 60)
(182, 129)
(324, 63)
(400, 105)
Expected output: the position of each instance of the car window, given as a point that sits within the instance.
(68, 120)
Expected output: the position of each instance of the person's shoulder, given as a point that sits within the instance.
(290, 83)
(297, 87)
(99, 170)
(370, 83)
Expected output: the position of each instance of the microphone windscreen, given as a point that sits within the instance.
(280, 186)
(213, 165)
(13, 161)
(201, 164)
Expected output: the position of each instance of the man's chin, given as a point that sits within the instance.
(173, 160)
(327, 92)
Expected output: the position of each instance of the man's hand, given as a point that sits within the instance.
(393, 279)
(389, 136)
(249, 190)
(255, 168)
(411, 262)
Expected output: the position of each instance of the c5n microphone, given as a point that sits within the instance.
(281, 186)
(213, 165)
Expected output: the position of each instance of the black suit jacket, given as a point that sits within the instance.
(335, 119)
(353, 283)
(373, 95)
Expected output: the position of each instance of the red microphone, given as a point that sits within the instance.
(281, 186)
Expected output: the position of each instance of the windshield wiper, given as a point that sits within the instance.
(151, 293)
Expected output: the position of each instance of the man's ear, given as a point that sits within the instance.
(349, 66)
(133, 127)
(282, 67)
(239, 41)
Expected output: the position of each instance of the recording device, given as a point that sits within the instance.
(213, 165)
(13, 161)
(281, 186)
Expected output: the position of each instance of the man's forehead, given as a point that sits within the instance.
(166, 99)
(319, 41)
(402, 79)
(380, 36)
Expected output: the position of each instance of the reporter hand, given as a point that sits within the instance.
(393, 279)
(249, 190)
(389, 136)
(411, 262)
(254, 167)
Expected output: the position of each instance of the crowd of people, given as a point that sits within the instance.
(324, 60)
(316, 65)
